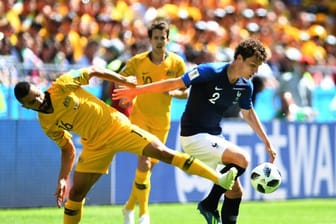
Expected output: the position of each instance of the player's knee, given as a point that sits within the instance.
(243, 160)
(76, 194)
(145, 164)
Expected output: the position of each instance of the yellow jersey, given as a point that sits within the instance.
(78, 111)
(154, 108)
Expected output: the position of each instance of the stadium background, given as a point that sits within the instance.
(307, 150)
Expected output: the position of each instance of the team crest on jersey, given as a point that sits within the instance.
(67, 102)
(170, 73)
(238, 94)
(193, 74)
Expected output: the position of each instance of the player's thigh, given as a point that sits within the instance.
(132, 139)
(125, 137)
(236, 155)
(162, 135)
(95, 159)
(147, 163)
(156, 149)
(205, 147)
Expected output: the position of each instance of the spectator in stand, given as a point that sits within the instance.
(295, 88)
(70, 40)
(49, 51)
(32, 64)
(5, 46)
(90, 51)
(109, 57)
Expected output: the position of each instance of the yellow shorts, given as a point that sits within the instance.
(160, 131)
(124, 137)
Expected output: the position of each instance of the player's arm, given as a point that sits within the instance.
(109, 75)
(183, 92)
(68, 153)
(160, 86)
(253, 121)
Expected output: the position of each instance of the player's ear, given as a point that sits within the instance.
(239, 57)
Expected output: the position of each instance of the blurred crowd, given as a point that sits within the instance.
(45, 37)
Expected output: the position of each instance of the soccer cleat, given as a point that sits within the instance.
(210, 217)
(144, 219)
(128, 216)
(227, 179)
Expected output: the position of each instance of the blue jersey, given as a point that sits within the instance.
(210, 95)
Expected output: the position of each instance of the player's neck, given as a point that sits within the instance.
(156, 57)
(231, 74)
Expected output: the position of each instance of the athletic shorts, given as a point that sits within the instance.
(153, 126)
(124, 137)
(205, 147)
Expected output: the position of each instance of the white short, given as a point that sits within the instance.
(205, 147)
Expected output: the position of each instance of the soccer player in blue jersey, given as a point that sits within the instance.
(215, 87)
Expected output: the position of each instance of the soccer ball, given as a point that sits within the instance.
(265, 178)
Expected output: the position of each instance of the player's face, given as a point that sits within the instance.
(36, 100)
(249, 66)
(159, 40)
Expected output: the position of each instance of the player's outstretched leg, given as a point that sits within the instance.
(189, 164)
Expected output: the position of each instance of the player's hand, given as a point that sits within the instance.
(60, 192)
(272, 154)
(123, 93)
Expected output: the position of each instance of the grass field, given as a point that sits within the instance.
(315, 211)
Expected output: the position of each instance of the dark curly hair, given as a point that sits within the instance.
(249, 48)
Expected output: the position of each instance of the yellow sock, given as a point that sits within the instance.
(130, 204)
(194, 166)
(140, 192)
(143, 199)
(73, 212)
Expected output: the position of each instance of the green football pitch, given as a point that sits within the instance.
(309, 211)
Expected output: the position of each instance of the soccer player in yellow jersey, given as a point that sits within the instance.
(151, 66)
(66, 107)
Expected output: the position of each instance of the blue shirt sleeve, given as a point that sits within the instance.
(203, 72)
